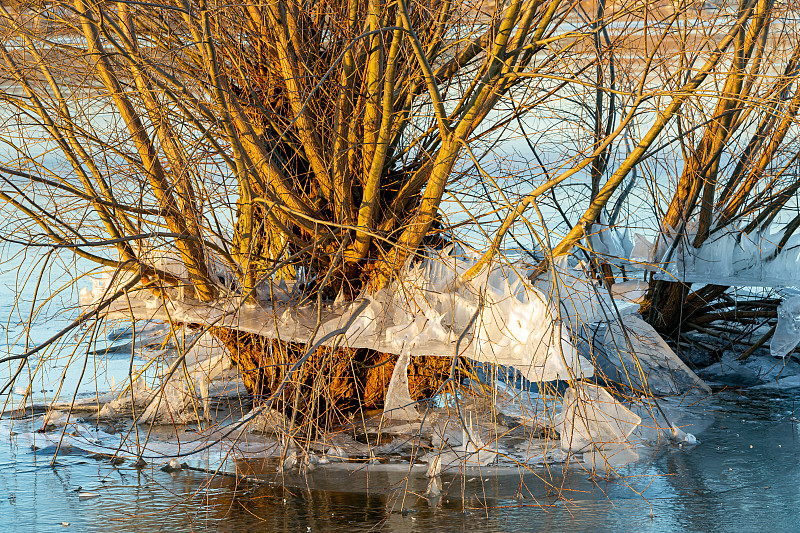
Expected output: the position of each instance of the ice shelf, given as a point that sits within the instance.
(787, 331)
(730, 256)
(498, 317)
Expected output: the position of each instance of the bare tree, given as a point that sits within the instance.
(317, 143)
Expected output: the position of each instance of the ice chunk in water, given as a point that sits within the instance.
(679, 435)
(593, 419)
(267, 420)
(520, 326)
(787, 333)
(205, 361)
(606, 463)
(472, 450)
(640, 357)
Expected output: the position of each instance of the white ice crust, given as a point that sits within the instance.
(497, 317)
(593, 420)
(641, 357)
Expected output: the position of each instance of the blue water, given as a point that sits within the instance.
(742, 476)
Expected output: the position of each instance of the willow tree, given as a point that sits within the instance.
(718, 151)
(737, 156)
(314, 143)
(327, 131)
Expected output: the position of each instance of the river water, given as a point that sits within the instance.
(742, 475)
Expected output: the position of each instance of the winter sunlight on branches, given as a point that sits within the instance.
(454, 233)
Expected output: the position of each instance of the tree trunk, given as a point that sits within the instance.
(670, 304)
(664, 306)
(331, 384)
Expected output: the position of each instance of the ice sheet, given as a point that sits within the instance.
(729, 257)
(640, 358)
(498, 317)
(593, 420)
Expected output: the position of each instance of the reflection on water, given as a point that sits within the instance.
(742, 475)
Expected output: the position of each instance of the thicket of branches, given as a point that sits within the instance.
(329, 142)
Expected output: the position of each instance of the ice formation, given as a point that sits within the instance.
(266, 420)
(460, 444)
(611, 242)
(593, 420)
(606, 463)
(640, 358)
(787, 332)
(534, 409)
(728, 257)
(398, 403)
(206, 360)
(513, 323)
(732, 257)
(497, 317)
(88, 437)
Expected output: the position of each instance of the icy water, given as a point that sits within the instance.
(743, 475)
